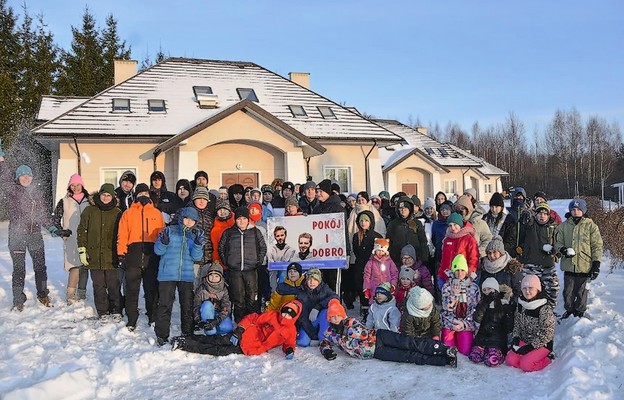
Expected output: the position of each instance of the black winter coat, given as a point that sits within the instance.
(495, 323)
(363, 250)
(533, 237)
(311, 299)
(402, 231)
(507, 231)
(242, 250)
(331, 205)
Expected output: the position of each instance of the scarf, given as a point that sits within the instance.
(78, 197)
(497, 265)
(531, 304)
(280, 246)
(493, 225)
(302, 256)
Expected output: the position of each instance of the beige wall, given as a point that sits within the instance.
(414, 169)
(414, 175)
(347, 155)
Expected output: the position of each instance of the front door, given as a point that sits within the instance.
(247, 179)
(410, 188)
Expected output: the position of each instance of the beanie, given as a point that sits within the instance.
(291, 201)
(459, 263)
(381, 244)
(376, 200)
(314, 273)
(267, 189)
(496, 244)
(128, 176)
(446, 205)
(325, 186)
(140, 188)
(384, 288)
(256, 190)
(309, 185)
(456, 219)
(542, 206)
(335, 309)
(223, 189)
(406, 273)
(429, 203)
(408, 250)
(541, 194)
(364, 195)
(335, 187)
(497, 200)
(256, 217)
(419, 298)
(416, 201)
(183, 183)
(472, 192)
(223, 204)
(23, 170)
(578, 203)
(200, 173)
(214, 192)
(352, 196)
(288, 185)
(384, 195)
(108, 188)
(295, 266)
(241, 212)
(75, 179)
(532, 281)
(491, 283)
(201, 193)
(292, 308)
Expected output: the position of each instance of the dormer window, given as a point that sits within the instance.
(201, 90)
(156, 106)
(298, 111)
(121, 105)
(247, 94)
(326, 112)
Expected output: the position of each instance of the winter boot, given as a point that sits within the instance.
(177, 342)
(81, 294)
(160, 342)
(45, 300)
(451, 357)
(18, 307)
(364, 313)
(71, 296)
(116, 318)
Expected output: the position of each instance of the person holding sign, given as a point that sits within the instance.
(314, 295)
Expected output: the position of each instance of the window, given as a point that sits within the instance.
(450, 186)
(249, 94)
(488, 188)
(326, 112)
(298, 111)
(444, 153)
(430, 151)
(201, 90)
(121, 105)
(156, 106)
(111, 175)
(341, 174)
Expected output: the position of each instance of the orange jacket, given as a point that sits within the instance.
(215, 236)
(139, 224)
(267, 330)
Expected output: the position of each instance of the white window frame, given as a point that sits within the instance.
(327, 112)
(117, 106)
(298, 111)
(119, 170)
(453, 183)
(326, 175)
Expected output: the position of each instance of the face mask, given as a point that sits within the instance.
(143, 200)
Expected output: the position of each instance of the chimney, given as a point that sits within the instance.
(300, 78)
(125, 69)
(422, 130)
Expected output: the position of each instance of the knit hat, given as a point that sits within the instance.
(214, 267)
(223, 204)
(352, 196)
(541, 194)
(381, 244)
(140, 188)
(456, 219)
(214, 192)
(408, 250)
(416, 201)
(256, 190)
(459, 263)
(429, 203)
(447, 204)
(491, 283)
(157, 175)
(292, 308)
(375, 200)
(532, 281)
(496, 244)
(128, 176)
(201, 193)
(335, 187)
(578, 203)
(384, 288)
(497, 200)
(183, 183)
(295, 266)
(200, 173)
(472, 192)
(542, 206)
(335, 309)
(75, 179)
(362, 216)
(364, 195)
(107, 188)
(223, 189)
(314, 273)
(236, 188)
(256, 217)
(241, 212)
(406, 273)
(325, 186)
(419, 297)
(291, 201)
(309, 185)
(384, 195)
(189, 212)
(23, 170)
(267, 189)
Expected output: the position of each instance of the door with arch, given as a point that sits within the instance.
(244, 178)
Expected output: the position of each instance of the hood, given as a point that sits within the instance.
(128, 176)
(370, 216)
(158, 174)
(295, 305)
(188, 212)
(403, 200)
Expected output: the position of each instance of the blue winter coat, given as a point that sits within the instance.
(438, 231)
(178, 257)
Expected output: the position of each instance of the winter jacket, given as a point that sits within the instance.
(438, 232)
(379, 270)
(460, 307)
(403, 231)
(401, 294)
(534, 322)
(533, 238)
(313, 299)
(284, 292)
(67, 216)
(331, 205)
(455, 243)
(215, 236)
(206, 223)
(178, 257)
(217, 294)
(139, 224)
(482, 230)
(504, 226)
(494, 322)
(384, 316)
(306, 206)
(422, 327)
(509, 278)
(379, 225)
(266, 331)
(97, 232)
(362, 249)
(165, 201)
(422, 277)
(242, 250)
(125, 199)
(352, 337)
(586, 241)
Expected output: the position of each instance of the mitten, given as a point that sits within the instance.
(200, 237)
(367, 293)
(290, 353)
(82, 252)
(595, 270)
(236, 335)
(121, 261)
(164, 237)
(329, 354)
(524, 349)
(547, 248)
(64, 233)
(210, 324)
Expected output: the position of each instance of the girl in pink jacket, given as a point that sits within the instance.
(380, 268)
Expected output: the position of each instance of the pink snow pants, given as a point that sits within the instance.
(462, 340)
(532, 361)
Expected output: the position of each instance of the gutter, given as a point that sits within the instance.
(155, 154)
(78, 153)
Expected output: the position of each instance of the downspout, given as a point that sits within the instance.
(464, 180)
(78, 153)
(156, 154)
(366, 174)
(307, 160)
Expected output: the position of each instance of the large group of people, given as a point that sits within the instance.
(430, 280)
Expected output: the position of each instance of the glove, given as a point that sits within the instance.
(64, 233)
(200, 237)
(1, 151)
(595, 270)
(236, 335)
(290, 353)
(82, 252)
(519, 250)
(164, 237)
(329, 354)
(515, 341)
(53, 230)
(547, 248)
(121, 261)
(524, 349)
(367, 293)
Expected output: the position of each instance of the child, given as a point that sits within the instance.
(352, 337)
(212, 306)
(379, 268)
(406, 282)
(288, 289)
(422, 277)
(534, 328)
(421, 318)
(580, 244)
(490, 342)
(460, 296)
(383, 313)
(459, 239)
(507, 271)
(179, 247)
(314, 296)
(224, 220)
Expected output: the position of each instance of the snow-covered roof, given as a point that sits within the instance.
(487, 168)
(53, 106)
(173, 81)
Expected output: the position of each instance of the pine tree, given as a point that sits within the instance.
(9, 72)
(113, 48)
(47, 56)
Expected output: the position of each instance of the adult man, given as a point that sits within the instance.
(287, 191)
(304, 242)
(281, 252)
(308, 201)
(163, 200)
(124, 191)
(200, 179)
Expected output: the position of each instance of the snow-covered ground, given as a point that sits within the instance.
(58, 354)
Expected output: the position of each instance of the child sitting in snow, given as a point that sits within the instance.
(383, 313)
(379, 268)
(212, 303)
(490, 342)
(460, 296)
(406, 282)
(288, 289)
(421, 318)
(422, 276)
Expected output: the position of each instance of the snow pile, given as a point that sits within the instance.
(60, 353)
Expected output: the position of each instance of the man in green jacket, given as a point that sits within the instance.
(580, 245)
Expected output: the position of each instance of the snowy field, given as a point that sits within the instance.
(58, 354)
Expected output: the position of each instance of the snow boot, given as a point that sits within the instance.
(160, 342)
(18, 307)
(364, 313)
(71, 296)
(177, 343)
(81, 294)
(451, 357)
(45, 300)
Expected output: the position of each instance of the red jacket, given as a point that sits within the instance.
(462, 242)
(215, 236)
(267, 330)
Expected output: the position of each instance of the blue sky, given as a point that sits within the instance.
(461, 61)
